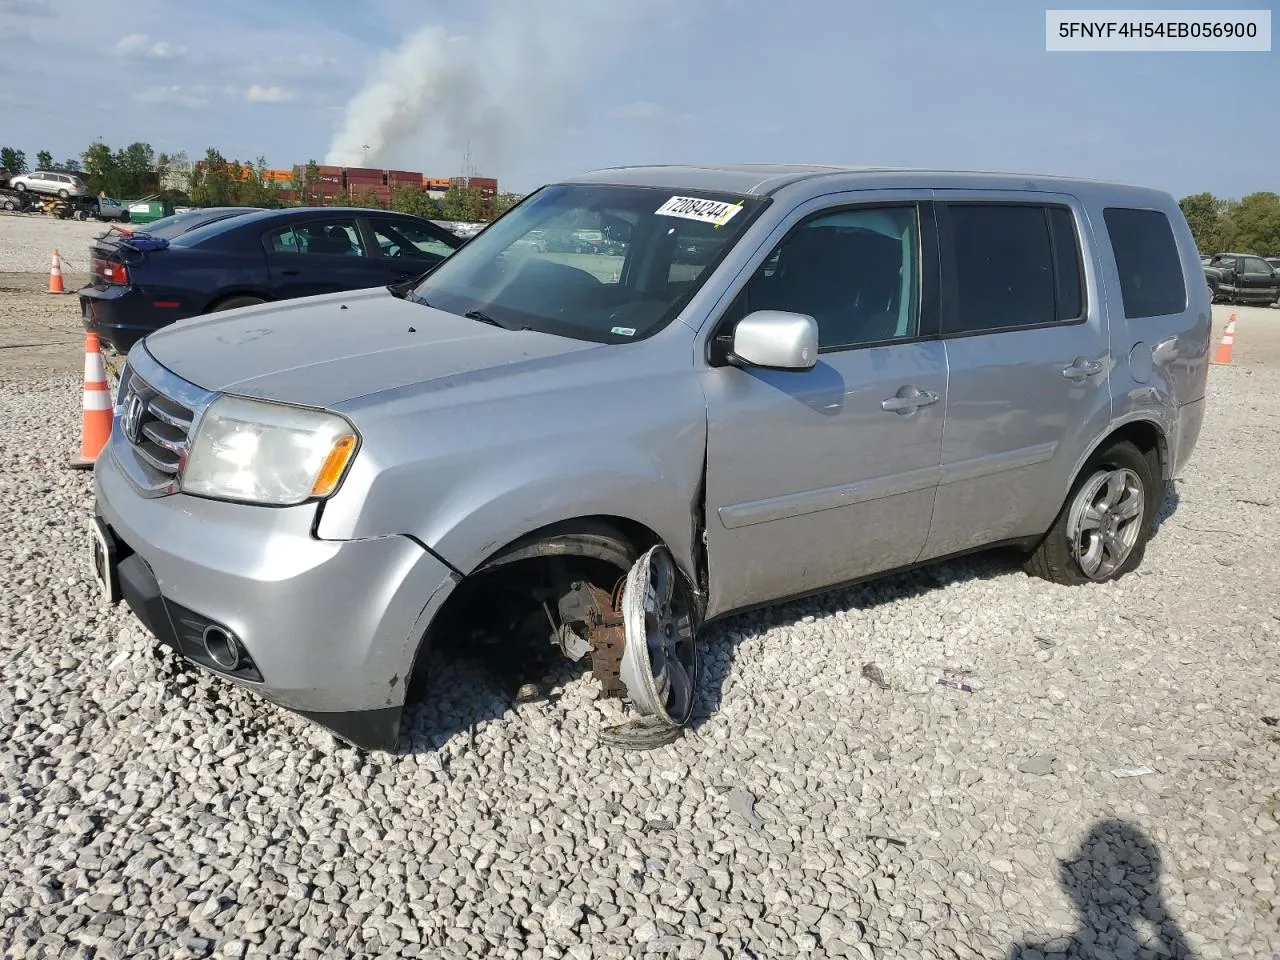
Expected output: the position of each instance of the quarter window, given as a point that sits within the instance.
(1146, 255)
(856, 271)
(1016, 266)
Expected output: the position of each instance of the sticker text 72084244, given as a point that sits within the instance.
(718, 212)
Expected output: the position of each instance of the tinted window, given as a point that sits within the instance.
(1004, 267)
(1256, 265)
(1069, 281)
(856, 272)
(335, 237)
(1146, 255)
(404, 238)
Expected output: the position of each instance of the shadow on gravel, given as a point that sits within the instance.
(1114, 882)
(1168, 508)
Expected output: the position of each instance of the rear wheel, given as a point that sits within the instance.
(1101, 532)
(63, 194)
(20, 187)
(232, 303)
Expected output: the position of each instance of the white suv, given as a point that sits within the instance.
(43, 181)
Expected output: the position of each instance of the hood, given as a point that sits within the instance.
(320, 351)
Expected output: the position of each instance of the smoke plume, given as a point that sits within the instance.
(499, 89)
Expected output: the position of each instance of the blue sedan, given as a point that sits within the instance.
(147, 279)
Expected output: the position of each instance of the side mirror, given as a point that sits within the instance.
(776, 340)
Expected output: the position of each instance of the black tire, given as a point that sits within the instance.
(63, 194)
(10, 205)
(1056, 558)
(231, 303)
(20, 187)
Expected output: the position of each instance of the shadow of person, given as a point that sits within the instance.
(1114, 882)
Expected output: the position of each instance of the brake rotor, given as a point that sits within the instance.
(659, 658)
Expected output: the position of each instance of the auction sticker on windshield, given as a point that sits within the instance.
(704, 211)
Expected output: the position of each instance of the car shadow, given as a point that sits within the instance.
(1168, 507)
(1114, 882)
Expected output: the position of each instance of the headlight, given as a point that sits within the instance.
(267, 453)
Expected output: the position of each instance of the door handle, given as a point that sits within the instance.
(1081, 368)
(908, 402)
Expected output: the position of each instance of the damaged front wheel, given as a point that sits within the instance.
(659, 658)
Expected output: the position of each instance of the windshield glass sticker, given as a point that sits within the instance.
(717, 212)
(624, 331)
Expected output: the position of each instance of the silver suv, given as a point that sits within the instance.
(767, 382)
(42, 181)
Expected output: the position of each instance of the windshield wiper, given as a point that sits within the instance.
(485, 318)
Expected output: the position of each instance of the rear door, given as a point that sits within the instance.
(320, 254)
(1028, 359)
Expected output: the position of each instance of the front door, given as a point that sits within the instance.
(322, 255)
(820, 477)
(1029, 359)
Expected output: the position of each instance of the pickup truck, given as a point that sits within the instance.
(1242, 278)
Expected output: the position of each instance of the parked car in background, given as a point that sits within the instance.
(144, 280)
(863, 370)
(1242, 278)
(112, 209)
(64, 185)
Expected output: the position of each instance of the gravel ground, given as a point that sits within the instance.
(27, 242)
(150, 811)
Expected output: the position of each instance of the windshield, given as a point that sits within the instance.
(607, 263)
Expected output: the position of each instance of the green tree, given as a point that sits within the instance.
(504, 202)
(136, 171)
(44, 160)
(414, 201)
(101, 169)
(1254, 224)
(15, 161)
(71, 165)
(1204, 216)
(305, 179)
(210, 181)
(464, 204)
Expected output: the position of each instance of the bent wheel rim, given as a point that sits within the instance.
(659, 658)
(1105, 521)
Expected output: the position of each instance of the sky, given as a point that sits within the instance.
(543, 89)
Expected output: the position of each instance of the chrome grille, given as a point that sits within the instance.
(156, 426)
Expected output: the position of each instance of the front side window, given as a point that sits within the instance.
(606, 263)
(1256, 265)
(1146, 255)
(855, 271)
(403, 238)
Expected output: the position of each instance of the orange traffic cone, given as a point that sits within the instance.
(1228, 340)
(55, 273)
(95, 427)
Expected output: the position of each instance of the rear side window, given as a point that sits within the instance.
(1151, 283)
(1016, 266)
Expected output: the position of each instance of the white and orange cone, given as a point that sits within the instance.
(95, 427)
(1223, 355)
(55, 273)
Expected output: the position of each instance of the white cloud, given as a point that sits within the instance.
(260, 94)
(139, 46)
(190, 97)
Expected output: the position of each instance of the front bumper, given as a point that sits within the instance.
(331, 628)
